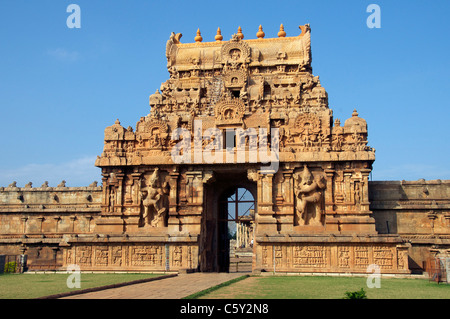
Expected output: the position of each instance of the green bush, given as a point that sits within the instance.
(11, 267)
(361, 294)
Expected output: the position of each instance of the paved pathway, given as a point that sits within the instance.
(169, 288)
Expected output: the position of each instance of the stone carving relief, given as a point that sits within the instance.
(171, 50)
(337, 140)
(308, 127)
(83, 255)
(229, 110)
(310, 256)
(116, 254)
(101, 255)
(344, 256)
(235, 53)
(177, 256)
(132, 256)
(350, 137)
(235, 57)
(361, 257)
(142, 255)
(154, 200)
(235, 79)
(321, 256)
(383, 257)
(308, 192)
(158, 134)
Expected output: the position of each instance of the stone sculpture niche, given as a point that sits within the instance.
(154, 202)
(308, 192)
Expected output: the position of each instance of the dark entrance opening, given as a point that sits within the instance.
(229, 201)
(236, 93)
(236, 206)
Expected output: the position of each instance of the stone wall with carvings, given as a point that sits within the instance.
(134, 256)
(34, 220)
(238, 112)
(49, 210)
(419, 211)
(332, 257)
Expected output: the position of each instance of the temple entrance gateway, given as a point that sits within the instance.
(229, 204)
(174, 198)
(192, 186)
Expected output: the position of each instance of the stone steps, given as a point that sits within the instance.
(241, 261)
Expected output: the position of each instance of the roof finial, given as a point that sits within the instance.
(218, 36)
(198, 38)
(281, 33)
(260, 33)
(240, 34)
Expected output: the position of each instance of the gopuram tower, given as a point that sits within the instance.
(238, 113)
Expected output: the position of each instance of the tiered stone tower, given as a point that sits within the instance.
(239, 113)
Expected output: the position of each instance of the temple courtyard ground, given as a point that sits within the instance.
(326, 287)
(218, 286)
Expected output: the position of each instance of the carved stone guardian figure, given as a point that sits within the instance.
(154, 202)
(308, 194)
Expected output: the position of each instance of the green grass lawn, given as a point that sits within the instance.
(26, 286)
(306, 287)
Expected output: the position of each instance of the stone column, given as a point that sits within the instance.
(288, 189)
(88, 219)
(73, 218)
(173, 221)
(347, 186)
(134, 214)
(265, 221)
(364, 189)
(136, 188)
(111, 218)
(329, 197)
(195, 187)
(119, 192)
(24, 224)
(105, 191)
(57, 219)
(55, 255)
(432, 216)
(191, 220)
(238, 235)
(287, 220)
(41, 219)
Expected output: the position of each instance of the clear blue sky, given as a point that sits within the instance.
(60, 87)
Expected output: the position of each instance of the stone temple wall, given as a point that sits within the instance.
(418, 211)
(49, 224)
(226, 105)
(35, 220)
